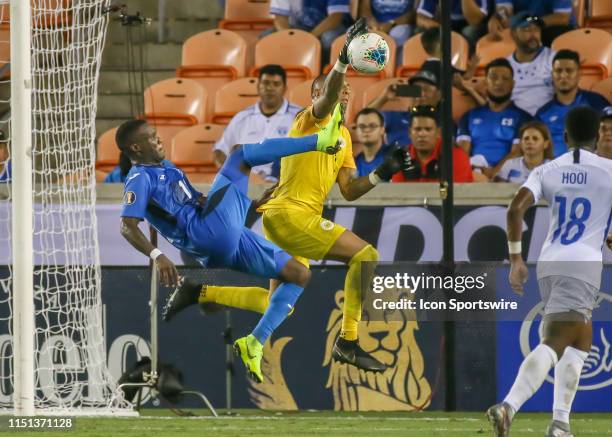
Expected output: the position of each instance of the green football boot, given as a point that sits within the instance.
(250, 350)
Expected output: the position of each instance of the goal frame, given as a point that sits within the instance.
(22, 209)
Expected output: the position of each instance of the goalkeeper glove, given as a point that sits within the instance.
(396, 159)
(359, 28)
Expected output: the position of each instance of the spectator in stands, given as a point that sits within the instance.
(426, 148)
(531, 62)
(467, 17)
(488, 133)
(371, 134)
(395, 17)
(432, 44)
(5, 162)
(271, 117)
(397, 123)
(604, 146)
(565, 76)
(535, 149)
(556, 15)
(324, 19)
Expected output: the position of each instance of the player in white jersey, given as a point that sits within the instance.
(577, 188)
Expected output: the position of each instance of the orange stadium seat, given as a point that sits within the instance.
(297, 51)
(107, 155)
(50, 13)
(488, 49)
(192, 148)
(600, 15)
(234, 97)
(248, 18)
(172, 104)
(5, 52)
(357, 146)
(462, 103)
(595, 48)
(414, 54)
(604, 87)
(213, 58)
(300, 94)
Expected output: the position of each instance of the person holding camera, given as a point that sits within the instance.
(426, 149)
(397, 123)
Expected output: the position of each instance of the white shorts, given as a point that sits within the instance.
(562, 294)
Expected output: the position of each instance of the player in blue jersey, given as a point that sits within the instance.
(576, 187)
(211, 228)
(568, 95)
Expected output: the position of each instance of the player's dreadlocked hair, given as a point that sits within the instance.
(126, 134)
(581, 129)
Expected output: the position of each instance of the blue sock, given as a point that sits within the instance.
(275, 148)
(281, 304)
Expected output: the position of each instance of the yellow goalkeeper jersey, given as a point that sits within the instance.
(306, 178)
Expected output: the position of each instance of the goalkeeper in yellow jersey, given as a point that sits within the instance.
(292, 217)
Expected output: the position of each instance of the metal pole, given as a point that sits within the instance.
(153, 304)
(22, 209)
(161, 17)
(446, 189)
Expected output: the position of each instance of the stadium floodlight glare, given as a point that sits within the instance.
(53, 353)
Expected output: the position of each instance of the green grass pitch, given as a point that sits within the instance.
(161, 423)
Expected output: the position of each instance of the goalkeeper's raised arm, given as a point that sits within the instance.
(324, 105)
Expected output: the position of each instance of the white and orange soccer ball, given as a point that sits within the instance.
(368, 53)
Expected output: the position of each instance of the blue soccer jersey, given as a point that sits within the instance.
(364, 167)
(428, 8)
(539, 7)
(491, 133)
(307, 14)
(162, 195)
(397, 124)
(387, 10)
(553, 115)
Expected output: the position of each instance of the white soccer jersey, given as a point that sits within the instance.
(579, 196)
(533, 85)
(514, 170)
(251, 126)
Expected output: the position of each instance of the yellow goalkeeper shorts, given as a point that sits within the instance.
(302, 234)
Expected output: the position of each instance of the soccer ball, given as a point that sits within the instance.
(368, 53)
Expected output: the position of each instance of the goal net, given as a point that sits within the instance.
(68, 361)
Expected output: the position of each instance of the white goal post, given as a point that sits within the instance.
(52, 347)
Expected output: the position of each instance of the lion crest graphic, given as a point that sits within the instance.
(402, 387)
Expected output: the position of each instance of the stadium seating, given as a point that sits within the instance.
(5, 52)
(595, 48)
(213, 58)
(192, 150)
(487, 49)
(604, 88)
(248, 18)
(300, 94)
(462, 103)
(600, 15)
(107, 154)
(414, 54)
(172, 104)
(297, 51)
(50, 13)
(234, 97)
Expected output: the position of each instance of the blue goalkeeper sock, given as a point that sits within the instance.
(280, 306)
(274, 148)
